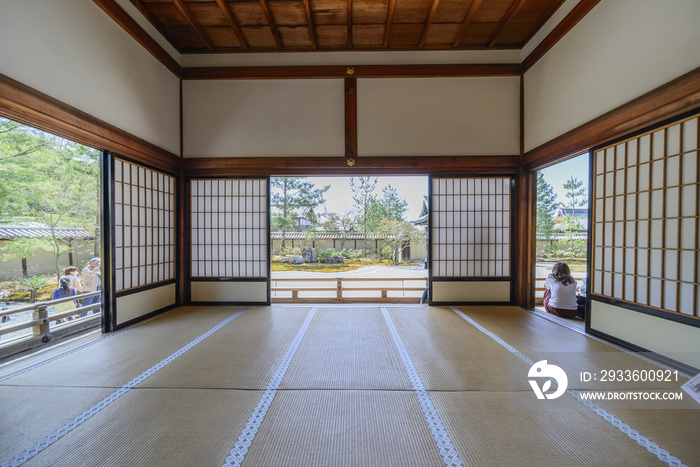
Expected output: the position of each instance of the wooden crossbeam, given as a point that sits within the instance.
(232, 22)
(467, 21)
(349, 24)
(271, 23)
(190, 19)
(428, 23)
(389, 20)
(515, 7)
(310, 21)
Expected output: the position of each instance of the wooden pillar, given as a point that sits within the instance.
(525, 198)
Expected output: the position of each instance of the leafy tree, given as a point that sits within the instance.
(399, 235)
(22, 248)
(546, 209)
(389, 206)
(575, 198)
(341, 224)
(291, 197)
(364, 197)
(49, 180)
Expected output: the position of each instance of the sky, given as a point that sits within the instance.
(339, 196)
(558, 174)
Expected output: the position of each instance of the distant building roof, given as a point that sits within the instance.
(9, 232)
(562, 235)
(423, 218)
(575, 212)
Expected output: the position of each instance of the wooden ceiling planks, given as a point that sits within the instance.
(205, 26)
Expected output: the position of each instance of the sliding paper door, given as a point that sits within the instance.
(470, 239)
(229, 241)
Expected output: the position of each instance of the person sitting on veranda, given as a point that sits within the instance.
(560, 293)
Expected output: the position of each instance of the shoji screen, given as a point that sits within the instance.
(229, 239)
(144, 240)
(470, 237)
(644, 250)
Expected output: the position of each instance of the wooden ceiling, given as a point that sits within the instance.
(213, 26)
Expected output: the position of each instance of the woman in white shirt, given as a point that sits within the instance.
(560, 293)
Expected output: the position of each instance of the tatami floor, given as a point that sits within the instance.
(334, 386)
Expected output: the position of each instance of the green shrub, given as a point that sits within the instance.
(327, 253)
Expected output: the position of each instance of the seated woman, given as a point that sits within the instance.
(560, 293)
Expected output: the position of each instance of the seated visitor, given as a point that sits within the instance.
(560, 293)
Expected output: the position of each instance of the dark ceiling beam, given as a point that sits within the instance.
(467, 21)
(358, 71)
(139, 34)
(349, 24)
(310, 21)
(154, 21)
(571, 20)
(271, 23)
(428, 23)
(389, 20)
(190, 19)
(232, 22)
(515, 7)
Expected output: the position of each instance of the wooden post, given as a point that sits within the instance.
(339, 292)
(42, 330)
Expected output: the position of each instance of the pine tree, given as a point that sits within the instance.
(293, 197)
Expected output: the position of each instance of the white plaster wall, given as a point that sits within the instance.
(665, 337)
(72, 51)
(259, 118)
(139, 304)
(438, 116)
(621, 50)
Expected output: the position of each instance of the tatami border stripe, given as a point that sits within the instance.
(245, 439)
(68, 352)
(442, 439)
(47, 441)
(634, 435)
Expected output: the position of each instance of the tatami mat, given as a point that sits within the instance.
(114, 361)
(242, 355)
(344, 428)
(29, 414)
(346, 398)
(487, 430)
(347, 348)
(156, 427)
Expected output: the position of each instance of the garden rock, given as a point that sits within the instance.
(309, 254)
(334, 259)
(296, 259)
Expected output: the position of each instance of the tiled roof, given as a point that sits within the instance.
(562, 236)
(8, 232)
(327, 236)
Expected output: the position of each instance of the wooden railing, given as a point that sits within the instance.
(339, 290)
(539, 289)
(44, 326)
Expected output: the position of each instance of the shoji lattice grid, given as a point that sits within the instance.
(229, 232)
(144, 226)
(470, 230)
(645, 232)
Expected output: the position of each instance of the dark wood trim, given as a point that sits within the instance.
(467, 21)
(193, 22)
(350, 24)
(28, 106)
(413, 165)
(428, 23)
(350, 118)
(515, 7)
(271, 24)
(389, 21)
(522, 115)
(672, 99)
(123, 19)
(360, 71)
(310, 21)
(571, 20)
(232, 22)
